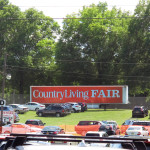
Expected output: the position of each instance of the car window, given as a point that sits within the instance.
(33, 104)
(137, 109)
(92, 134)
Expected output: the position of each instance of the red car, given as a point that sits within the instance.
(19, 128)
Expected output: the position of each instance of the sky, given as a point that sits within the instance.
(60, 8)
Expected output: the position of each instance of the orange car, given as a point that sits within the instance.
(84, 126)
(19, 128)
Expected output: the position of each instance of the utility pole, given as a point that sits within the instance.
(3, 87)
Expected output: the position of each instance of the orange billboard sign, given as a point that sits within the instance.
(88, 94)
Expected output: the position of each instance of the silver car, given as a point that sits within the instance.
(34, 106)
(20, 109)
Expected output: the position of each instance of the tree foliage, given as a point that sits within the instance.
(89, 47)
(96, 46)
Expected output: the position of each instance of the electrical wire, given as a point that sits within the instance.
(80, 18)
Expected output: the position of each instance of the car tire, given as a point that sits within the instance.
(17, 111)
(57, 114)
(74, 111)
(36, 109)
(40, 114)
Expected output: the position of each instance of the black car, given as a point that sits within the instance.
(56, 110)
(139, 111)
(110, 129)
(35, 122)
(83, 106)
(53, 130)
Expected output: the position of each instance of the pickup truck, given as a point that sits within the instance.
(84, 126)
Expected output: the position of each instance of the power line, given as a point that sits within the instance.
(77, 73)
(89, 18)
(71, 6)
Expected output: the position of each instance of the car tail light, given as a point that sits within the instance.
(76, 106)
(52, 141)
(110, 128)
(63, 110)
(126, 133)
(54, 132)
(139, 133)
(41, 106)
(65, 141)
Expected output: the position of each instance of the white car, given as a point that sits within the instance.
(137, 131)
(18, 108)
(97, 133)
(34, 106)
(110, 122)
(75, 107)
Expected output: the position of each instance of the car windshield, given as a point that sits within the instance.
(134, 128)
(137, 109)
(32, 122)
(50, 128)
(7, 108)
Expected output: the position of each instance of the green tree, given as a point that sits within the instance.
(88, 50)
(29, 40)
(136, 52)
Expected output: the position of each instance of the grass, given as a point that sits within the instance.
(119, 115)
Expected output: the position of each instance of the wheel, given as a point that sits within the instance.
(74, 111)
(36, 109)
(58, 115)
(17, 111)
(40, 114)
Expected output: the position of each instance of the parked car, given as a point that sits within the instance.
(83, 106)
(137, 131)
(139, 111)
(75, 107)
(93, 134)
(35, 122)
(97, 133)
(34, 106)
(84, 126)
(141, 123)
(19, 128)
(110, 122)
(20, 109)
(128, 122)
(52, 130)
(68, 106)
(110, 129)
(56, 110)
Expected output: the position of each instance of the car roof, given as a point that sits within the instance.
(33, 120)
(96, 132)
(135, 126)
